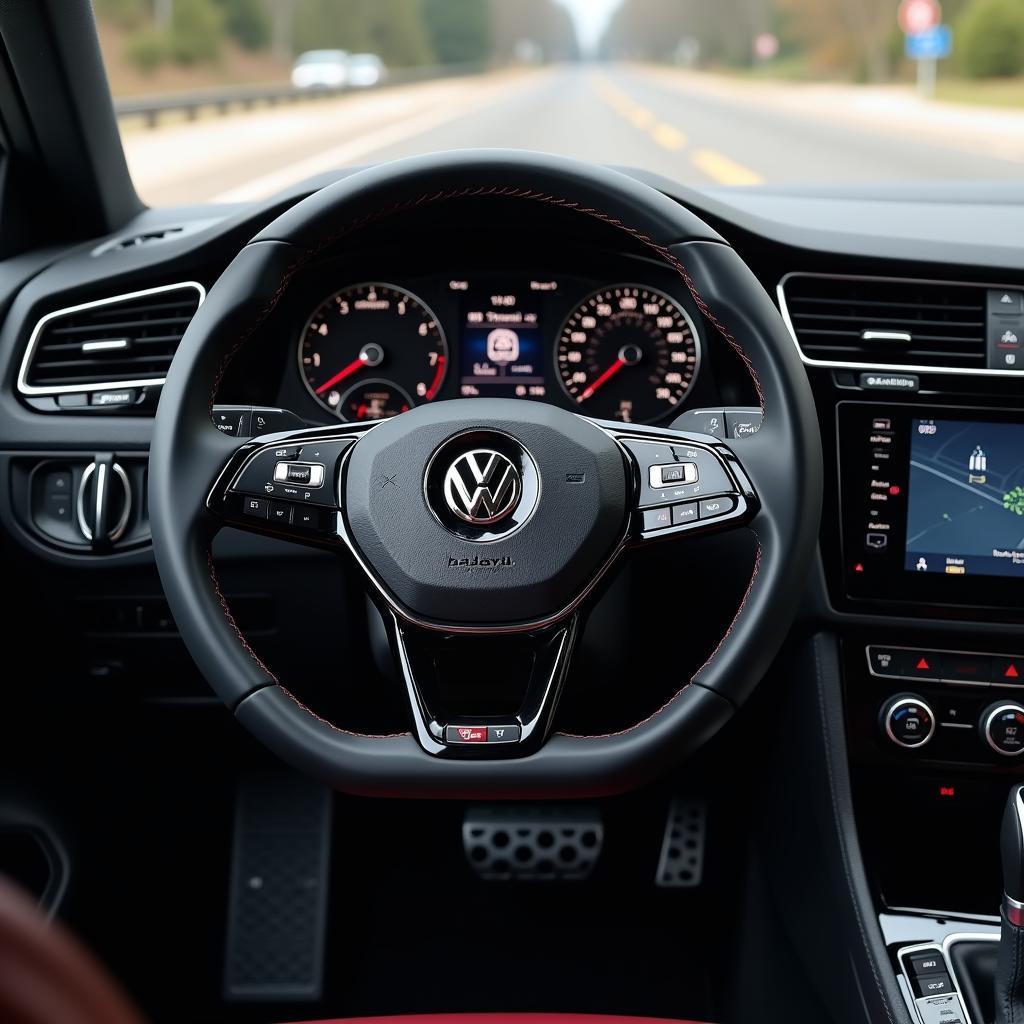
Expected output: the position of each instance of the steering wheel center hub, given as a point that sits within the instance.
(481, 485)
(486, 511)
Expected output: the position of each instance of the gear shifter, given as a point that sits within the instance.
(1010, 970)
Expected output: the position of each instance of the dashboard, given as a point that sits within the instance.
(923, 524)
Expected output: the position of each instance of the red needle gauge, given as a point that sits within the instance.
(438, 377)
(603, 379)
(356, 364)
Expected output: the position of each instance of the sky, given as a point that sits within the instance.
(590, 16)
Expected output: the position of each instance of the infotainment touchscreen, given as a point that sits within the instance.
(931, 504)
(965, 498)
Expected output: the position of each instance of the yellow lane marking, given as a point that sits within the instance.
(717, 166)
(665, 135)
(668, 137)
(641, 117)
(722, 170)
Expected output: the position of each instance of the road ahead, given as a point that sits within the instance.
(692, 128)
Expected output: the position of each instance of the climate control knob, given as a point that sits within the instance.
(908, 721)
(1002, 727)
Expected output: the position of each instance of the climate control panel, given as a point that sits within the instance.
(964, 706)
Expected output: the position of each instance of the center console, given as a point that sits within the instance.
(926, 573)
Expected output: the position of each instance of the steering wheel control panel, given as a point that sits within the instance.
(293, 487)
(947, 705)
(684, 485)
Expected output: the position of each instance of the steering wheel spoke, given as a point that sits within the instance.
(485, 696)
(684, 482)
(285, 485)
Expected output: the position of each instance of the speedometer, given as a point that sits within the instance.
(371, 351)
(627, 353)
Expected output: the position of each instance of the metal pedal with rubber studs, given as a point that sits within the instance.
(542, 843)
(681, 864)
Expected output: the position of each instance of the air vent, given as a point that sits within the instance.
(871, 321)
(124, 341)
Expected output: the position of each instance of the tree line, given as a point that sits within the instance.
(403, 33)
(857, 39)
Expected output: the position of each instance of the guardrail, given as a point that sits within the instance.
(245, 97)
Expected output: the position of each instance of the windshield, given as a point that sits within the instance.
(232, 100)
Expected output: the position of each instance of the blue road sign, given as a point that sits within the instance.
(934, 44)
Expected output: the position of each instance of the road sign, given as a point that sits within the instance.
(934, 44)
(917, 16)
(766, 46)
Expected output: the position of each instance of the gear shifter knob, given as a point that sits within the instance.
(1009, 993)
(1012, 848)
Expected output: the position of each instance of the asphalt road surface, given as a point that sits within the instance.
(691, 128)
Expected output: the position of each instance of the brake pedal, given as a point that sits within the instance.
(542, 843)
(681, 864)
(277, 910)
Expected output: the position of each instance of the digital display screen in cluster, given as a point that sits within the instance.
(501, 345)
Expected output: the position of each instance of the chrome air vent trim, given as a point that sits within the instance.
(879, 367)
(25, 388)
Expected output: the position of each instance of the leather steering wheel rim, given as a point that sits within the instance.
(783, 461)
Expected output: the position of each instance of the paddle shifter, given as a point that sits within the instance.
(1010, 970)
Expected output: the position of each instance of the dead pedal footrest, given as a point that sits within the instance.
(277, 910)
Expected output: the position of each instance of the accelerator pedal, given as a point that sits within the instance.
(681, 864)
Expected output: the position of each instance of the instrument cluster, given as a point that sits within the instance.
(623, 351)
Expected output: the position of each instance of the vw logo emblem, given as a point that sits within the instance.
(482, 486)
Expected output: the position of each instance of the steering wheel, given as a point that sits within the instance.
(483, 527)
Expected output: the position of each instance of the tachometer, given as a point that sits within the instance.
(627, 353)
(371, 350)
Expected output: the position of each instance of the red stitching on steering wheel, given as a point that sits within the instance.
(510, 192)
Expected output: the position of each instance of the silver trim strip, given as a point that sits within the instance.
(80, 504)
(101, 495)
(1012, 910)
(839, 364)
(126, 511)
(105, 346)
(25, 388)
(886, 336)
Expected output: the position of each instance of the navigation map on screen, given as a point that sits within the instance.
(965, 509)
